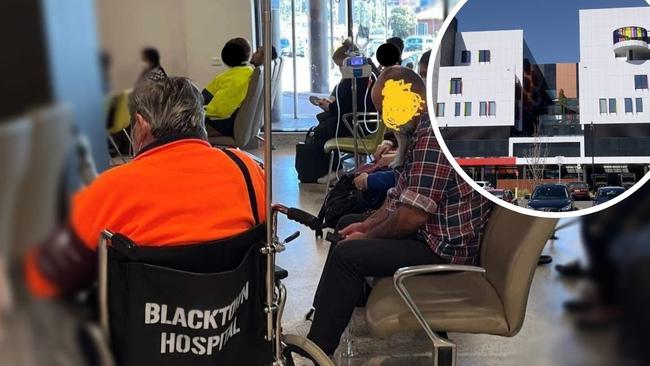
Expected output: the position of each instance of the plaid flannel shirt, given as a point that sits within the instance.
(457, 213)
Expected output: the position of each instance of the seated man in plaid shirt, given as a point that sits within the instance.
(432, 216)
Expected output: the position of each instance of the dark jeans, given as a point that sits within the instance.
(343, 278)
(225, 127)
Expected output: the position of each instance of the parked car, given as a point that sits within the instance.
(504, 194)
(484, 184)
(579, 190)
(418, 43)
(285, 47)
(605, 194)
(551, 198)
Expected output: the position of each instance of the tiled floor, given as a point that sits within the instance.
(547, 338)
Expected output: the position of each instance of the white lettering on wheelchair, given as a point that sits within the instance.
(224, 318)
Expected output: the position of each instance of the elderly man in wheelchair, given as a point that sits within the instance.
(186, 276)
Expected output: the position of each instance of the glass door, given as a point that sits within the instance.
(308, 32)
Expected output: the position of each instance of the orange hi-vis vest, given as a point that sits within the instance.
(176, 193)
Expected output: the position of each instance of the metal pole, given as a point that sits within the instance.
(355, 122)
(350, 21)
(332, 27)
(270, 255)
(293, 56)
(386, 19)
(593, 153)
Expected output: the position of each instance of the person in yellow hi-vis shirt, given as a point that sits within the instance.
(224, 95)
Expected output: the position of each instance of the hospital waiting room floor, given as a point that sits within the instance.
(548, 336)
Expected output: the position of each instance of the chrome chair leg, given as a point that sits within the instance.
(329, 173)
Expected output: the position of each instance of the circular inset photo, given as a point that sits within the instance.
(545, 108)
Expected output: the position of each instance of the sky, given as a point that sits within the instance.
(550, 26)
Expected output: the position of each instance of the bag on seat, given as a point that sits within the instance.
(311, 161)
(191, 305)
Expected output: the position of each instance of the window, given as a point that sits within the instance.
(423, 29)
(640, 82)
(492, 108)
(468, 109)
(612, 105)
(440, 109)
(603, 105)
(457, 109)
(483, 109)
(484, 56)
(456, 86)
(639, 105)
(628, 105)
(465, 57)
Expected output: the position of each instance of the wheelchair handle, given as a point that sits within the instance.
(303, 217)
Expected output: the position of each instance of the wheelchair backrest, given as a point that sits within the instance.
(192, 305)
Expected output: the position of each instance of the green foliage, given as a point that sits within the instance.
(402, 21)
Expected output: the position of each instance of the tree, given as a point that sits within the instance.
(562, 101)
(402, 21)
(536, 158)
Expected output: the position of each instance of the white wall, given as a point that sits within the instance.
(493, 81)
(188, 34)
(601, 74)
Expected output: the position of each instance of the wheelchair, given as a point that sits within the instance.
(176, 306)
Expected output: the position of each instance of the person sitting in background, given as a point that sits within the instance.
(334, 108)
(177, 190)
(152, 69)
(431, 216)
(226, 92)
(257, 58)
(423, 65)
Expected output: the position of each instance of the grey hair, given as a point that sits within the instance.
(172, 106)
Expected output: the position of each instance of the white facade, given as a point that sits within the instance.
(605, 71)
(492, 81)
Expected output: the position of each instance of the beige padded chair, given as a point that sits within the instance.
(490, 299)
(35, 212)
(246, 124)
(14, 154)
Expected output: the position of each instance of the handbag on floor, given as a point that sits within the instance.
(311, 161)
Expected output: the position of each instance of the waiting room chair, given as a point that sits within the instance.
(121, 120)
(247, 124)
(35, 211)
(367, 145)
(15, 137)
(490, 299)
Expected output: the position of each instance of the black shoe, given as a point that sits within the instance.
(544, 259)
(572, 269)
(578, 305)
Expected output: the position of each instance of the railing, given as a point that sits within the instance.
(630, 34)
(568, 125)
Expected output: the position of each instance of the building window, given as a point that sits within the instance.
(492, 108)
(465, 57)
(628, 105)
(468, 109)
(482, 109)
(423, 29)
(612, 106)
(603, 105)
(440, 109)
(640, 82)
(457, 109)
(484, 56)
(456, 86)
(639, 105)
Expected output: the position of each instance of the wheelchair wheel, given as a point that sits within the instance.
(300, 351)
